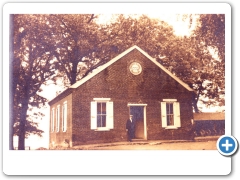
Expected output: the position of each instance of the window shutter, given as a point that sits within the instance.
(52, 123)
(110, 115)
(93, 118)
(58, 118)
(64, 117)
(176, 108)
(163, 113)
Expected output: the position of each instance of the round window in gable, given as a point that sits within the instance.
(135, 68)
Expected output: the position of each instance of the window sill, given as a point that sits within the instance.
(102, 129)
(171, 127)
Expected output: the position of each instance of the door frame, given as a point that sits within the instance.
(144, 117)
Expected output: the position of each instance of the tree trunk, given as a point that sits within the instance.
(11, 97)
(14, 78)
(194, 103)
(21, 136)
(23, 113)
(73, 78)
(23, 117)
(195, 107)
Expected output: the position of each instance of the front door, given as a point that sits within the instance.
(139, 120)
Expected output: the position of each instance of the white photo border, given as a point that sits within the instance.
(84, 162)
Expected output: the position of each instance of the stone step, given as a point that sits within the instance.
(138, 140)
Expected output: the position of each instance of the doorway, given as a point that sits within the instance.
(139, 118)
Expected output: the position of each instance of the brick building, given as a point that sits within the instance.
(96, 108)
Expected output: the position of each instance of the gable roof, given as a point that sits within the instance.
(101, 68)
(208, 116)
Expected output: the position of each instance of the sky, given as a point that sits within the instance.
(180, 25)
(179, 22)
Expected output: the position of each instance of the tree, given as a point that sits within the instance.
(86, 45)
(34, 47)
(190, 59)
(31, 126)
(149, 34)
(78, 44)
(211, 34)
(11, 99)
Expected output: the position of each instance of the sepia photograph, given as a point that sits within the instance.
(109, 82)
(117, 81)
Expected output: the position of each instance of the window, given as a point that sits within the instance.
(101, 114)
(52, 120)
(64, 117)
(57, 118)
(170, 112)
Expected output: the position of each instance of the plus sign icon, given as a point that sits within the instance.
(227, 145)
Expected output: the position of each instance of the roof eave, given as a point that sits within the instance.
(61, 96)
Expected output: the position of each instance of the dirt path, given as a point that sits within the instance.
(206, 145)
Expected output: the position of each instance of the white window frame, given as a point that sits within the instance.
(52, 119)
(57, 118)
(109, 114)
(176, 114)
(64, 117)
